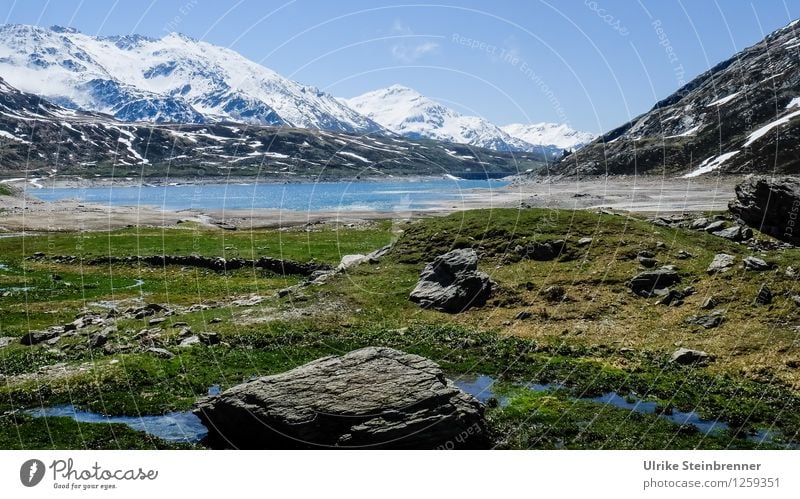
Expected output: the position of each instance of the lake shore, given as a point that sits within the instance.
(647, 195)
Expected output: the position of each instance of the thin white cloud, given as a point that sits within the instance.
(408, 51)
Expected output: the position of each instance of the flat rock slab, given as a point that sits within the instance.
(722, 262)
(369, 398)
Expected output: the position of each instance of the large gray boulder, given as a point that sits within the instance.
(451, 283)
(771, 205)
(369, 398)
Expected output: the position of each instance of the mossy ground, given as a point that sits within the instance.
(600, 338)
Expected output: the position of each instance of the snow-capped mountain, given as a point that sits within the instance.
(406, 112)
(171, 79)
(549, 134)
(41, 139)
(410, 114)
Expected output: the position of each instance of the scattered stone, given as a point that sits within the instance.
(554, 293)
(736, 233)
(687, 356)
(674, 297)
(699, 223)
(722, 262)
(792, 273)
(215, 320)
(97, 340)
(764, 296)
(451, 283)
(155, 321)
(684, 255)
(190, 341)
(209, 338)
(755, 264)
(647, 283)
(351, 261)
(584, 241)
(248, 302)
(647, 262)
(661, 245)
(543, 251)
(160, 352)
(176, 325)
(369, 398)
(36, 337)
(284, 292)
(707, 321)
(770, 205)
(715, 226)
(709, 303)
(378, 254)
(646, 254)
(6, 340)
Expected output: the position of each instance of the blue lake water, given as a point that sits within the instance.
(395, 196)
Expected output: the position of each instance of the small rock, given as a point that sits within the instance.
(722, 262)
(709, 303)
(715, 226)
(584, 241)
(554, 293)
(764, 296)
(190, 341)
(699, 223)
(160, 352)
(684, 255)
(661, 244)
(755, 264)
(792, 273)
(215, 320)
(6, 340)
(156, 321)
(707, 321)
(647, 262)
(176, 325)
(209, 338)
(687, 356)
(651, 282)
(736, 233)
(97, 340)
(35, 337)
(646, 254)
(796, 300)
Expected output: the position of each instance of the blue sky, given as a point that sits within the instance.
(591, 63)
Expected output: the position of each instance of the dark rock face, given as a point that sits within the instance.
(369, 398)
(452, 283)
(648, 283)
(771, 206)
(35, 337)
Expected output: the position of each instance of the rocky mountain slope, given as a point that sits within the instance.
(39, 138)
(740, 116)
(171, 79)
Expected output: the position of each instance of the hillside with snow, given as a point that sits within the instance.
(557, 135)
(740, 116)
(170, 79)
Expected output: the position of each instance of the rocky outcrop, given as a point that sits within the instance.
(771, 206)
(451, 283)
(369, 398)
